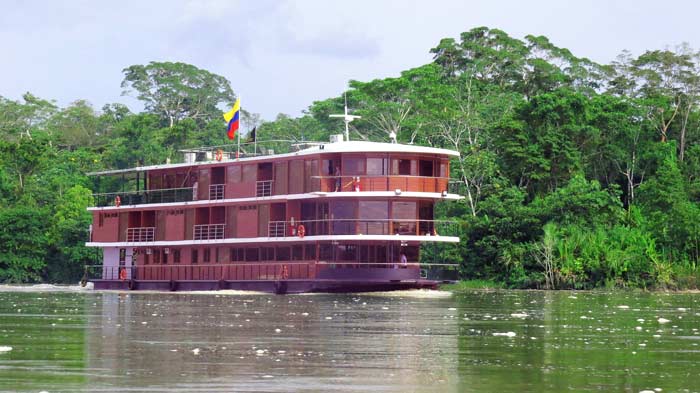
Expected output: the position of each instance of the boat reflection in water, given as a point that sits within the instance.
(258, 342)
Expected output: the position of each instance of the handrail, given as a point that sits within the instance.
(378, 176)
(360, 226)
(264, 270)
(216, 191)
(383, 183)
(140, 234)
(263, 188)
(162, 195)
(209, 231)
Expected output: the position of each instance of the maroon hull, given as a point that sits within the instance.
(343, 279)
(280, 287)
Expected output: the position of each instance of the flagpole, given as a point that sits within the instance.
(238, 152)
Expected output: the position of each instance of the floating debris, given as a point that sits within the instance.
(196, 351)
(663, 320)
(5, 348)
(519, 315)
(507, 334)
(623, 307)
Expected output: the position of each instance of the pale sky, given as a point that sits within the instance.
(280, 56)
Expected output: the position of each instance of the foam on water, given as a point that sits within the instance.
(45, 288)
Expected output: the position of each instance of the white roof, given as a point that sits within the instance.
(327, 148)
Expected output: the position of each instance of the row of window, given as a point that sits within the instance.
(366, 253)
(347, 165)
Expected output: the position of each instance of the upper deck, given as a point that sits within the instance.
(340, 167)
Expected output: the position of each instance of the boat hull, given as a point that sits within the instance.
(269, 286)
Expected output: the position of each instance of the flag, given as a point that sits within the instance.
(232, 117)
(252, 136)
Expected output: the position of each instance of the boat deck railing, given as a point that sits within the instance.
(141, 234)
(265, 270)
(351, 226)
(164, 195)
(209, 231)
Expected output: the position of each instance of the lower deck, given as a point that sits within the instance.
(265, 277)
(281, 268)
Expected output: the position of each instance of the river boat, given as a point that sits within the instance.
(340, 216)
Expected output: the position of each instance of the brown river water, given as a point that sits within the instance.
(57, 339)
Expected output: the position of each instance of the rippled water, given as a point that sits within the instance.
(504, 341)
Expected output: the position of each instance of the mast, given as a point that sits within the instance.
(347, 118)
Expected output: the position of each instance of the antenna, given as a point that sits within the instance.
(347, 118)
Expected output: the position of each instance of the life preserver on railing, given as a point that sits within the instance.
(117, 201)
(122, 274)
(301, 231)
(219, 155)
(284, 273)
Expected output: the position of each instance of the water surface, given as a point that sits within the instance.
(422, 341)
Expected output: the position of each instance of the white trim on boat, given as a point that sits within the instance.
(311, 195)
(325, 148)
(287, 239)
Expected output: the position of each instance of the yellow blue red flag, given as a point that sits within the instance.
(232, 117)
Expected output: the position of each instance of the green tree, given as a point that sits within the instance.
(23, 242)
(177, 91)
(67, 235)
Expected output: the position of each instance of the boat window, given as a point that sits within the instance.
(297, 253)
(342, 217)
(283, 253)
(234, 174)
(165, 257)
(443, 169)
(353, 166)
(250, 173)
(347, 253)
(310, 252)
(376, 166)
(325, 252)
(207, 255)
(411, 252)
(373, 217)
(312, 182)
(403, 215)
(251, 254)
(401, 167)
(425, 168)
(381, 254)
(327, 167)
(195, 256)
(176, 255)
(267, 253)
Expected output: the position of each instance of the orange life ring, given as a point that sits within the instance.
(301, 231)
(122, 274)
(117, 201)
(219, 155)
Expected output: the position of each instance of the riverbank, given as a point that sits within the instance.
(464, 285)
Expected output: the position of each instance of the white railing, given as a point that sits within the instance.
(216, 191)
(263, 188)
(276, 228)
(142, 234)
(209, 231)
